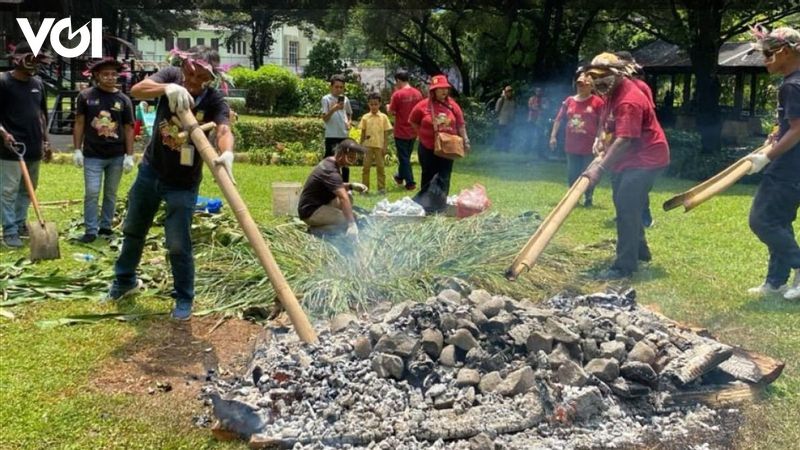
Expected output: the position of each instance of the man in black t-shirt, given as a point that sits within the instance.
(103, 140)
(171, 170)
(23, 120)
(778, 196)
(324, 203)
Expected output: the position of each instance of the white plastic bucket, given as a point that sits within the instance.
(285, 196)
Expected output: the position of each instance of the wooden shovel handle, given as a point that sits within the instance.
(31, 193)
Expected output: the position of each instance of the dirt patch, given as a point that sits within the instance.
(174, 358)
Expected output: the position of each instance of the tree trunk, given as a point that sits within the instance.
(704, 54)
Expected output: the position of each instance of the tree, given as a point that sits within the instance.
(324, 60)
(701, 27)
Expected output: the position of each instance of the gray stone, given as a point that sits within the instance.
(642, 352)
(559, 355)
(481, 442)
(635, 332)
(519, 334)
(341, 321)
(517, 382)
(462, 339)
(500, 323)
(613, 349)
(639, 372)
(397, 343)
(585, 324)
(449, 295)
(448, 356)
(590, 349)
(587, 403)
(479, 296)
(537, 341)
(362, 347)
(468, 325)
(572, 374)
(476, 357)
(399, 310)
(444, 401)
(628, 389)
(432, 342)
(468, 377)
(606, 369)
(492, 306)
(478, 317)
(436, 390)
(448, 322)
(386, 365)
(376, 331)
(490, 382)
(560, 332)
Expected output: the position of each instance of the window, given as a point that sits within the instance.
(294, 53)
(169, 43)
(201, 41)
(215, 43)
(184, 43)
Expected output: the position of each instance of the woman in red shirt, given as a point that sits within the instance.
(449, 119)
(582, 113)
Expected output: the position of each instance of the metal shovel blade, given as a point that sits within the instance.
(44, 241)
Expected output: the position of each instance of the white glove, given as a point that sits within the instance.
(226, 159)
(127, 163)
(358, 187)
(77, 157)
(179, 98)
(759, 161)
(352, 230)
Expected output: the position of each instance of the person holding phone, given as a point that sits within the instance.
(337, 114)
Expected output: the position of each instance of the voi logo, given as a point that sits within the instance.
(93, 37)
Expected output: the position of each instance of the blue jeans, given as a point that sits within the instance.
(774, 209)
(93, 171)
(14, 200)
(144, 199)
(404, 149)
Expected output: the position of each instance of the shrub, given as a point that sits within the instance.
(310, 93)
(480, 124)
(238, 104)
(687, 162)
(271, 89)
(270, 131)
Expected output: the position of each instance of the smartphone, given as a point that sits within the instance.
(341, 99)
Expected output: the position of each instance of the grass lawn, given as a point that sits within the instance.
(703, 263)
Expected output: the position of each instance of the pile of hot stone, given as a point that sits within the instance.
(472, 370)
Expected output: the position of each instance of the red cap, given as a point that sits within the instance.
(438, 82)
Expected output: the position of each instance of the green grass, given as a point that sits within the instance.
(703, 262)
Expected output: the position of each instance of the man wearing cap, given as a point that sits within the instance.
(777, 199)
(171, 170)
(505, 108)
(325, 204)
(103, 140)
(23, 124)
(635, 157)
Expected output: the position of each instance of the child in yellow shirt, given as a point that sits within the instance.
(375, 132)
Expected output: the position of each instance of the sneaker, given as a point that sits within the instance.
(119, 294)
(411, 187)
(793, 293)
(87, 238)
(12, 241)
(766, 289)
(613, 274)
(398, 180)
(105, 232)
(182, 312)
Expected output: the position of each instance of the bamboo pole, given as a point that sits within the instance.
(527, 257)
(285, 295)
(714, 185)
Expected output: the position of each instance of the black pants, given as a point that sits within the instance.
(774, 209)
(576, 165)
(631, 188)
(330, 144)
(433, 166)
(502, 137)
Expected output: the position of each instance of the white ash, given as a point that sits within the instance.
(392, 392)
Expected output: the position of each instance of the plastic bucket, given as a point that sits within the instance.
(285, 196)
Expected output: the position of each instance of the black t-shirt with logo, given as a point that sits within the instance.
(787, 166)
(163, 153)
(320, 187)
(21, 105)
(105, 116)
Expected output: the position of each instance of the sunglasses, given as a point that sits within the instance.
(771, 53)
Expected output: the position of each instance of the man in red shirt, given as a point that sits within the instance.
(637, 154)
(403, 100)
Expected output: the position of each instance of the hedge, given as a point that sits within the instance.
(687, 162)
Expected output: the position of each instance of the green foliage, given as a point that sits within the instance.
(271, 131)
(324, 61)
(310, 92)
(271, 89)
(237, 104)
(480, 123)
(686, 160)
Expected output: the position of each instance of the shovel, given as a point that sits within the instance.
(44, 235)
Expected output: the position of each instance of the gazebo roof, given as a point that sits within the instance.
(732, 56)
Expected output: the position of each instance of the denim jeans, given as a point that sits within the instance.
(630, 191)
(144, 199)
(93, 171)
(404, 149)
(14, 200)
(576, 165)
(774, 209)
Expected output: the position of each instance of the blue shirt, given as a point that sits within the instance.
(787, 166)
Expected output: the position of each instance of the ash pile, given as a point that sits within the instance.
(471, 370)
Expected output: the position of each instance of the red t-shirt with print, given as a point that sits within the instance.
(583, 119)
(645, 88)
(634, 118)
(401, 104)
(448, 117)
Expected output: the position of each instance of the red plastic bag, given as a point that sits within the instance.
(472, 201)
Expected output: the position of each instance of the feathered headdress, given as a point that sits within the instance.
(772, 40)
(221, 80)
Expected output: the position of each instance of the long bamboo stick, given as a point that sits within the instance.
(284, 292)
(712, 186)
(527, 257)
